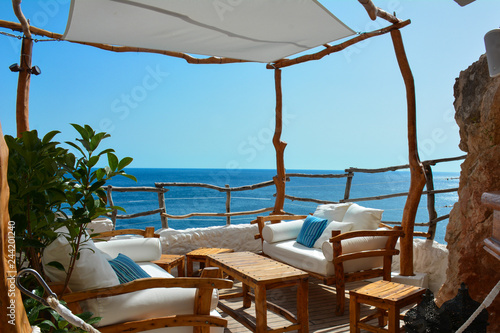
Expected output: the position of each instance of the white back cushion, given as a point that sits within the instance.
(363, 218)
(92, 270)
(332, 212)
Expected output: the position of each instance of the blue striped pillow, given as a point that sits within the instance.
(126, 269)
(311, 230)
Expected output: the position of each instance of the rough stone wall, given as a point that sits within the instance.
(477, 106)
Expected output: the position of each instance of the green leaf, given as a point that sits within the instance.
(105, 151)
(113, 161)
(97, 185)
(57, 265)
(124, 162)
(85, 145)
(75, 146)
(49, 136)
(83, 132)
(129, 176)
(118, 208)
(100, 173)
(93, 161)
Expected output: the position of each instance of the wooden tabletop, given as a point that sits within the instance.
(389, 292)
(255, 268)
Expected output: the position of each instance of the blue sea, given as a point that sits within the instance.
(184, 200)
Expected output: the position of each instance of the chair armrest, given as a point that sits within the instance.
(149, 232)
(387, 250)
(365, 233)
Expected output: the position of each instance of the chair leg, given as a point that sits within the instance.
(340, 289)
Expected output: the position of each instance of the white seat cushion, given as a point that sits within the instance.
(299, 256)
(149, 303)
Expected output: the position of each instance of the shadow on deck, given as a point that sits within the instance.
(322, 302)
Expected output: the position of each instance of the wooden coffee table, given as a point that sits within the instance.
(262, 274)
(200, 255)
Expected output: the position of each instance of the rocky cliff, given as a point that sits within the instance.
(477, 106)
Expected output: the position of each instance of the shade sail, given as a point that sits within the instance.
(254, 30)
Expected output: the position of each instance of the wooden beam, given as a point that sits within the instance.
(216, 60)
(374, 12)
(417, 173)
(107, 47)
(329, 49)
(280, 178)
(13, 318)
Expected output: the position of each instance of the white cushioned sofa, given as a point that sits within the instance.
(348, 244)
(165, 302)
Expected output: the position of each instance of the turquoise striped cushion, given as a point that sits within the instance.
(126, 269)
(311, 230)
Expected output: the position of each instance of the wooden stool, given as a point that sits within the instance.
(169, 261)
(388, 298)
(200, 255)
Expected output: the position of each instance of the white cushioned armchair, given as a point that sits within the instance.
(159, 303)
(350, 244)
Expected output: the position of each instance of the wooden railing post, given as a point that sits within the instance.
(162, 205)
(348, 184)
(228, 205)
(109, 191)
(431, 201)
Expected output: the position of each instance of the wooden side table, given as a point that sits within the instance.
(169, 261)
(200, 255)
(389, 298)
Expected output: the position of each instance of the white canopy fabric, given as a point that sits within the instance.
(253, 30)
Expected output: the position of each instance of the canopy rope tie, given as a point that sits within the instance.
(487, 302)
(10, 35)
(52, 301)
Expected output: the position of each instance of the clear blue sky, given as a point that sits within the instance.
(347, 110)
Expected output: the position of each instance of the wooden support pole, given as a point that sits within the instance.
(417, 179)
(280, 178)
(13, 318)
(23, 87)
(23, 83)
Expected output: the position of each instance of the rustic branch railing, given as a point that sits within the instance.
(162, 187)
(227, 189)
(114, 214)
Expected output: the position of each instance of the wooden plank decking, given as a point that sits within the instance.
(322, 316)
